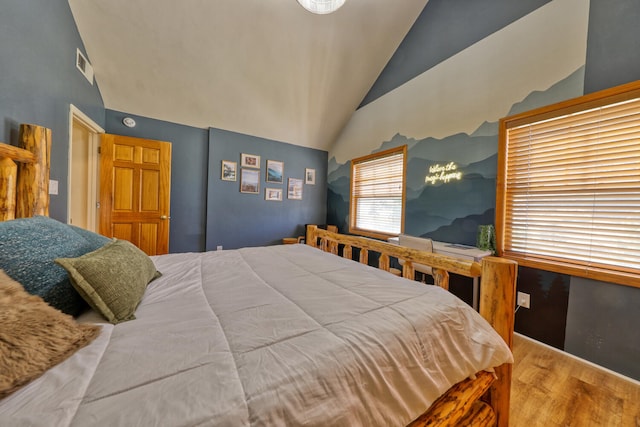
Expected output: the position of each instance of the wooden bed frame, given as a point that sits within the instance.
(24, 174)
(483, 401)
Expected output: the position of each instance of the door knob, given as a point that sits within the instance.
(164, 217)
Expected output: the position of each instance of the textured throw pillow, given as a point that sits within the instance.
(112, 279)
(28, 247)
(33, 336)
(94, 240)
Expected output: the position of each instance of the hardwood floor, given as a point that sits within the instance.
(550, 388)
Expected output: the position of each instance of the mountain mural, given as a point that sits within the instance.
(333, 167)
(338, 202)
(567, 88)
(428, 207)
(487, 129)
(341, 187)
(448, 211)
(460, 148)
(338, 210)
(431, 206)
(440, 205)
(338, 171)
(418, 169)
(462, 230)
(397, 140)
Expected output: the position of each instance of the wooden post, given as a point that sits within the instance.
(450, 408)
(347, 252)
(497, 306)
(408, 272)
(364, 256)
(33, 182)
(8, 177)
(440, 278)
(383, 262)
(310, 238)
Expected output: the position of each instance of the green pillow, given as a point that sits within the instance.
(112, 279)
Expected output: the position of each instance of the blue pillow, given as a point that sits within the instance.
(95, 240)
(28, 247)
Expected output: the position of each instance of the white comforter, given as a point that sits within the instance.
(282, 335)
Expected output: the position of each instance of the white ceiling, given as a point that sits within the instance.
(266, 68)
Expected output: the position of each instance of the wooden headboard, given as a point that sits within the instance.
(24, 174)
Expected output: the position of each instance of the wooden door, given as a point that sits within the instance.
(135, 184)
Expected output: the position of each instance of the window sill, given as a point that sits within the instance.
(371, 234)
(593, 273)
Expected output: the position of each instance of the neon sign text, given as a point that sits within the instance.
(443, 173)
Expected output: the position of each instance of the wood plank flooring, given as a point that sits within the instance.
(550, 388)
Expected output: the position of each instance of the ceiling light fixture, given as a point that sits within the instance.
(321, 7)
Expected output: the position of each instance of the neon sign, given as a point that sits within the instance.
(443, 173)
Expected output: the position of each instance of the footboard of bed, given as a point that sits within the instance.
(461, 405)
(482, 401)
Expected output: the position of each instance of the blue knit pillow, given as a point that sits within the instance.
(95, 240)
(28, 247)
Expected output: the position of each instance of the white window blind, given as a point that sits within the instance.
(377, 192)
(572, 188)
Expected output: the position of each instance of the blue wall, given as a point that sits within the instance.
(39, 79)
(601, 325)
(614, 43)
(188, 175)
(236, 219)
(207, 212)
(599, 314)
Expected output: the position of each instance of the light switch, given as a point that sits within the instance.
(53, 187)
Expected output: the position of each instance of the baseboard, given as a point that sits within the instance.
(580, 359)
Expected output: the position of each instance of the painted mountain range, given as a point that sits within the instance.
(448, 211)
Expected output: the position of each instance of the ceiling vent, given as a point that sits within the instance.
(84, 66)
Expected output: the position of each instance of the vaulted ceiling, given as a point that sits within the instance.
(266, 68)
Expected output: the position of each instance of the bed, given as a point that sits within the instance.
(280, 335)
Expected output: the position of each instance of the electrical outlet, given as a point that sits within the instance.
(219, 248)
(524, 300)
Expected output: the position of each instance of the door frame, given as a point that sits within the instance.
(77, 116)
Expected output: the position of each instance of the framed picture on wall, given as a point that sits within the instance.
(229, 170)
(249, 161)
(294, 190)
(273, 194)
(249, 181)
(274, 171)
(310, 176)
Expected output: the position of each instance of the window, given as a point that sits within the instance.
(378, 193)
(570, 181)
